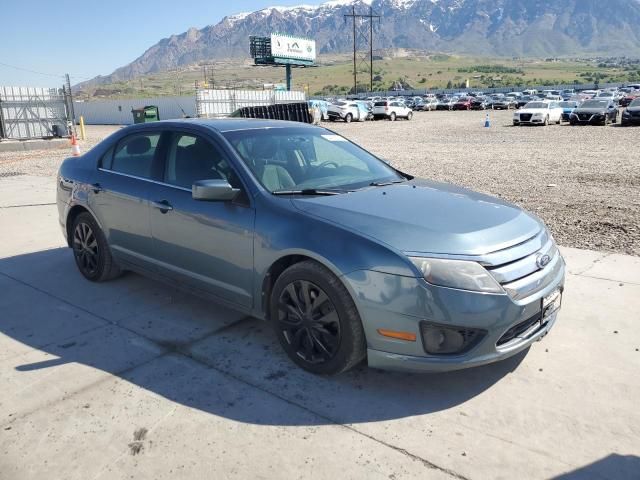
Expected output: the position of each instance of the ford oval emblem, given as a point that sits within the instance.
(543, 260)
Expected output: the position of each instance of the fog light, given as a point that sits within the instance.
(448, 340)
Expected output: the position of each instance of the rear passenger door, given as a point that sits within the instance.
(120, 195)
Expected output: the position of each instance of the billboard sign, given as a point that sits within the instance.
(284, 46)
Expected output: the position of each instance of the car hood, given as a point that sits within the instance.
(633, 109)
(589, 110)
(533, 110)
(422, 216)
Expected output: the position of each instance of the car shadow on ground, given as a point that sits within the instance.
(613, 466)
(198, 354)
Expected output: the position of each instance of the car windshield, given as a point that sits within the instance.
(536, 105)
(595, 104)
(291, 159)
(635, 103)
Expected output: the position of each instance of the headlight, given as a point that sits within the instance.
(461, 274)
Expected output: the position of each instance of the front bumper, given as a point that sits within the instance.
(530, 121)
(401, 303)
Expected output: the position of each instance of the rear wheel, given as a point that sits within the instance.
(348, 118)
(91, 251)
(316, 321)
(392, 117)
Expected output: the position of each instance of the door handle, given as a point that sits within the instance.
(96, 187)
(163, 205)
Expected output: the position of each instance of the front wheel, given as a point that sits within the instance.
(91, 251)
(546, 121)
(409, 115)
(316, 321)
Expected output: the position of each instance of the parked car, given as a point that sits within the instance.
(631, 114)
(391, 110)
(503, 103)
(522, 101)
(409, 102)
(334, 248)
(322, 106)
(346, 111)
(538, 113)
(419, 104)
(463, 103)
(430, 103)
(597, 111)
(567, 108)
(446, 103)
(479, 103)
(627, 99)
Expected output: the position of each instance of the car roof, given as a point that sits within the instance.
(232, 124)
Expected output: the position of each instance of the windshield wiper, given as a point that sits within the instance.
(385, 184)
(308, 191)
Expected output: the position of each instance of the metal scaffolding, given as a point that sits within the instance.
(28, 112)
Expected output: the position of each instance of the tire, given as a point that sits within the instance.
(348, 118)
(392, 116)
(409, 115)
(546, 121)
(328, 347)
(91, 250)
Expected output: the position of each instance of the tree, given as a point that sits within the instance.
(449, 84)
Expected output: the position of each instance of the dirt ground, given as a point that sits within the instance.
(584, 182)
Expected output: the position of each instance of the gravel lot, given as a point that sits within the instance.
(582, 181)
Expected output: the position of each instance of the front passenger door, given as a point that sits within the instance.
(205, 244)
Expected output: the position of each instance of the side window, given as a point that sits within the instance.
(191, 158)
(134, 154)
(106, 159)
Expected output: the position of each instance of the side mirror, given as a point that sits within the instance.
(213, 190)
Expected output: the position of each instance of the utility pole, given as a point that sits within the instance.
(370, 16)
(69, 97)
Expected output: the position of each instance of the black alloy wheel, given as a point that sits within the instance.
(91, 250)
(309, 322)
(316, 320)
(85, 249)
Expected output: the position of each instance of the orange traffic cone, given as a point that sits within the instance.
(75, 148)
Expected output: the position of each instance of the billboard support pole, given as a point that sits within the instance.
(288, 76)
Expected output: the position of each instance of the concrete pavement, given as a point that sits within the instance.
(132, 378)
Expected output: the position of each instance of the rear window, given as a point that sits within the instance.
(381, 104)
(134, 154)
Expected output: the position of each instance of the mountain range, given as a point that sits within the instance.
(533, 28)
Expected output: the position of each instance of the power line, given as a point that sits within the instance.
(31, 71)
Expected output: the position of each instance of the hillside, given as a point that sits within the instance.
(542, 28)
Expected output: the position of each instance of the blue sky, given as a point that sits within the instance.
(95, 37)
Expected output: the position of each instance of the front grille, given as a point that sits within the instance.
(517, 269)
(584, 116)
(525, 117)
(519, 329)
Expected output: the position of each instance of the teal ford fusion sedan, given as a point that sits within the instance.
(346, 257)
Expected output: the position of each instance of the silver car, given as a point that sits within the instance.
(346, 257)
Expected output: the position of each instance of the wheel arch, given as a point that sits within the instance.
(72, 214)
(285, 261)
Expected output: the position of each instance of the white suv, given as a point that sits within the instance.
(347, 111)
(391, 109)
